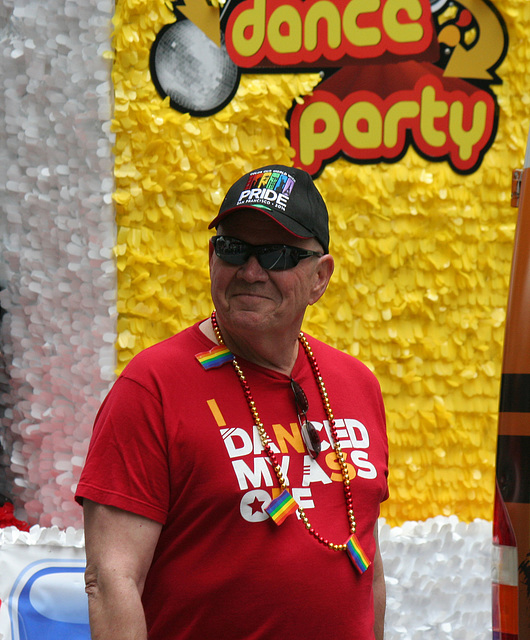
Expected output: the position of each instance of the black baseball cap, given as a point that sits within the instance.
(287, 195)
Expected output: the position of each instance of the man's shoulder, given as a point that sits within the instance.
(169, 355)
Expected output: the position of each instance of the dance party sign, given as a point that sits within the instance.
(395, 73)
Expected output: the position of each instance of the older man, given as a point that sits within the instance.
(233, 482)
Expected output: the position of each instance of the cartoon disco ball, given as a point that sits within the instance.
(198, 76)
(436, 5)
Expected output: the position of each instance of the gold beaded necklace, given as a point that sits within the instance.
(352, 545)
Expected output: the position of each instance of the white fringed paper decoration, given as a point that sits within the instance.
(437, 575)
(58, 234)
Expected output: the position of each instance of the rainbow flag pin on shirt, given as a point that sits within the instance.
(356, 554)
(281, 507)
(215, 357)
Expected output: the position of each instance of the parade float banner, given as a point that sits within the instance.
(394, 74)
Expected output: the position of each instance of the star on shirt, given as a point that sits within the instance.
(256, 506)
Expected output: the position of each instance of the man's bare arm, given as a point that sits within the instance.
(119, 550)
(379, 590)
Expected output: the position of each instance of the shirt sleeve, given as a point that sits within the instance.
(127, 462)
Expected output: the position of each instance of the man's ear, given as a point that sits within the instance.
(325, 268)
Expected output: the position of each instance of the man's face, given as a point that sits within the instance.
(249, 298)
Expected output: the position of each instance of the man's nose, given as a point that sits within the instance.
(252, 271)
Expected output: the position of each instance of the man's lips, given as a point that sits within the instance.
(250, 295)
(247, 294)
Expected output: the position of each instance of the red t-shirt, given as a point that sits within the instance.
(175, 442)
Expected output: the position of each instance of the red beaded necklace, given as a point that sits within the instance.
(352, 545)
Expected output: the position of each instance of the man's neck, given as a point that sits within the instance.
(277, 352)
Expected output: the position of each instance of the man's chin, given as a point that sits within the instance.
(245, 315)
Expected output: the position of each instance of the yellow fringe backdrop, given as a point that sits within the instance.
(423, 255)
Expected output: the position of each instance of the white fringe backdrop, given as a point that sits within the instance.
(58, 232)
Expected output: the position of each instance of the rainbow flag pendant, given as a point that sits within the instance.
(281, 507)
(356, 554)
(215, 357)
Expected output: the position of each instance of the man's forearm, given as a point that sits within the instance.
(119, 551)
(379, 608)
(116, 612)
(379, 588)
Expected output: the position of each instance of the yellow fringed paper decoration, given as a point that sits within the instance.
(422, 255)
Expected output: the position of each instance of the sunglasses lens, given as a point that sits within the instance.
(309, 433)
(311, 439)
(230, 250)
(277, 259)
(299, 397)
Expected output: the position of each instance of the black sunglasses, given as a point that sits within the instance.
(275, 257)
(309, 433)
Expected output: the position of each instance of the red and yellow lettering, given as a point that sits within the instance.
(333, 464)
(291, 32)
(442, 123)
(293, 437)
